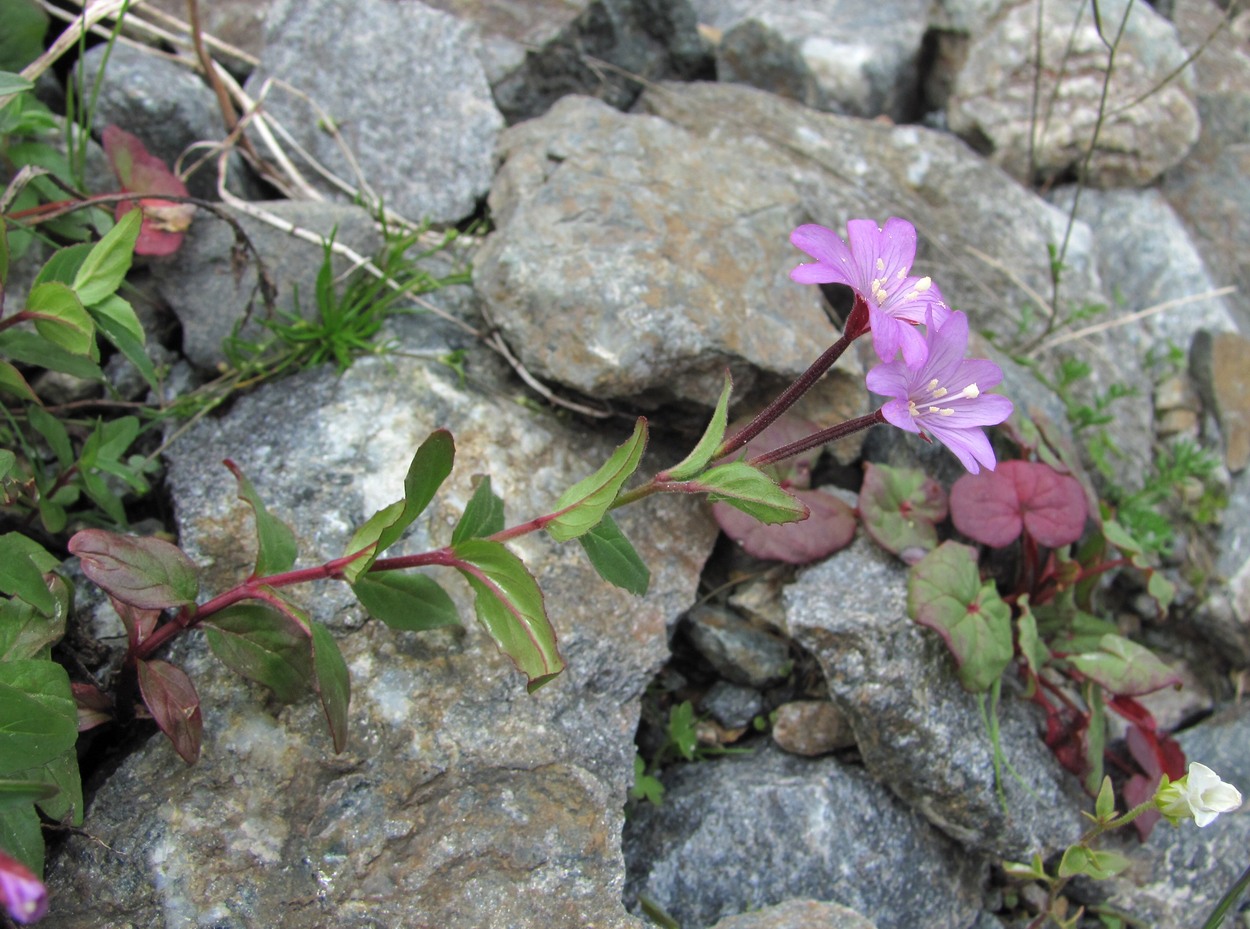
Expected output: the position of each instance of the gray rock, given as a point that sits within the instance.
(212, 287)
(1206, 190)
(461, 802)
(992, 101)
(749, 831)
(919, 732)
(837, 55)
(1146, 257)
(167, 107)
(403, 85)
(983, 238)
(634, 259)
(797, 914)
(537, 52)
(732, 705)
(740, 652)
(1180, 874)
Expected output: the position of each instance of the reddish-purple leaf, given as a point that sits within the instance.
(139, 623)
(164, 221)
(1124, 667)
(95, 708)
(830, 527)
(994, 506)
(148, 573)
(171, 699)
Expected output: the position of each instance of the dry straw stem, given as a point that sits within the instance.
(1130, 318)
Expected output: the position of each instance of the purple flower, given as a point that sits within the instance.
(21, 893)
(877, 266)
(944, 397)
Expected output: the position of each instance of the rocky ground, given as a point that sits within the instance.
(640, 166)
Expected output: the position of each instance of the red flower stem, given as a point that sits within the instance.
(832, 434)
(856, 325)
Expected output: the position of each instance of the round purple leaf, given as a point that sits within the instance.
(993, 507)
(829, 528)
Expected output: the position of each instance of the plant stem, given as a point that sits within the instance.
(832, 434)
(856, 325)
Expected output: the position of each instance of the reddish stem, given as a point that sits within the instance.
(856, 325)
(832, 434)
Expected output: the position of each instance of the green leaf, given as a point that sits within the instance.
(25, 632)
(61, 782)
(32, 349)
(62, 319)
(23, 563)
(1035, 870)
(275, 542)
(701, 456)
(64, 264)
(126, 343)
(8, 462)
(25, 791)
(901, 508)
(612, 555)
(510, 606)
(411, 602)
(148, 573)
(170, 697)
(646, 787)
(263, 645)
(482, 517)
(1034, 651)
(106, 264)
(38, 719)
(11, 380)
(1094, 742)
(1104, 805)
(21, 834)
(11, 83)
(1124, 667)
(945, 593)
(751, 491)
(54, 433)
(1099, 865)
(683, 733)
(120, 314)
(332, 682)
(430, 466)
(589, 499)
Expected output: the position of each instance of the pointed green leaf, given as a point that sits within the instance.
(62, 319)
(11, 83)
(1124, 667)
(64, 264)
(412, 602)
(510, 606)
(945, 593)
(61, 799)
(31, 348)
(121, 314)
(429, 468)
(1099, 865)
(170, 697)
(21, 834)
(148, 573)
(54, 433)
(25, 632)
(612, 555)
(25, 791)
(1104, 805)
(752, 491)
(482, 517)
(38, 718)
(23, 563)
(701, 456)
(333, 683)
(275, 542)
(590, 498)
(263, 645)
(8, 460)
(1094, 741)
(105, 266)
(11, 380)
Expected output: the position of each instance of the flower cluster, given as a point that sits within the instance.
(936, 392)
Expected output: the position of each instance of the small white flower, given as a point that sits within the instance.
(1200, 794)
